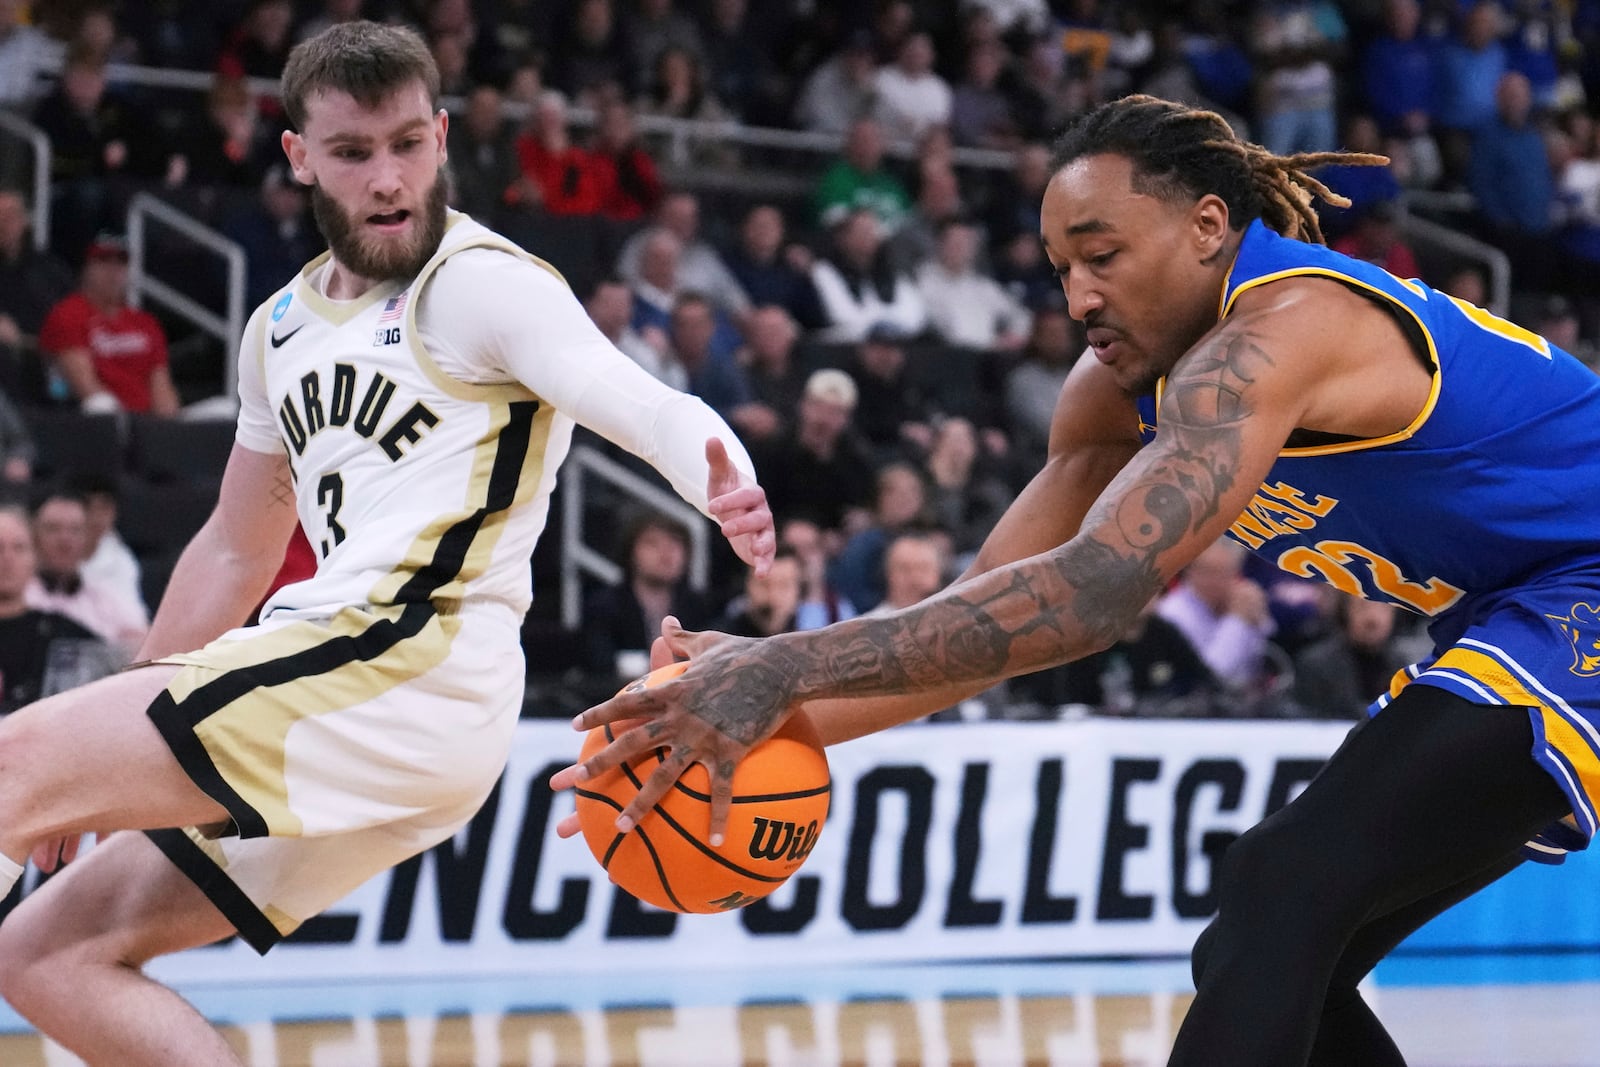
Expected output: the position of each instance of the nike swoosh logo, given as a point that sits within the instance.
(279, 342)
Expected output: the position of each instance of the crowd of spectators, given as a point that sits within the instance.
(881, 328)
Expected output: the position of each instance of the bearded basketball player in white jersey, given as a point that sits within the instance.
(407, 399)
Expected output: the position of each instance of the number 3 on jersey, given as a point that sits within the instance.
(330, 495)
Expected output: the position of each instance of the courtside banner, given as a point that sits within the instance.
(944, 842)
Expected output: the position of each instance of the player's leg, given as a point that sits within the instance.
(1429, 793)
(1348, 1030)
(70, 958)
(91, 759)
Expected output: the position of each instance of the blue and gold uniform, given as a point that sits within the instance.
(1483, 514)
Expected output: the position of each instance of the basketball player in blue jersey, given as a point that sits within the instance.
(1354, 427)
(406, 400)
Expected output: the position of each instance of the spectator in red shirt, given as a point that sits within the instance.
(1376, 239)
(557, 175)
(630, 186)
(112, 357)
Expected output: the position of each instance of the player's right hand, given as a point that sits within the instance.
(726, 703)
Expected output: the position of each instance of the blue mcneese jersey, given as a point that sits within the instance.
(1483, 514)
(1496, 478)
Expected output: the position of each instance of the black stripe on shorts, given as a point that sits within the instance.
(213, 881)
(177, 721)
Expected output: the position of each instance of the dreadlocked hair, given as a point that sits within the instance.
(1181, 153)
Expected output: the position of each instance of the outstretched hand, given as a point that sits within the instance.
(740, 506)
(701, 716)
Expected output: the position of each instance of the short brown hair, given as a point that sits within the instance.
(367, 60)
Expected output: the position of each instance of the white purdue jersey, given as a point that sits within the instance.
(424, 421)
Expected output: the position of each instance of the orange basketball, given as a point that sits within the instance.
(780, 799)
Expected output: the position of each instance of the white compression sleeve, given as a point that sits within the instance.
(491, 317)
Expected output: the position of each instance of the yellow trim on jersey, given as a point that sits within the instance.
(475, 560)
(245, 738)
(1433, 357)
(339, 312)
(1559, 733)
(455, 387)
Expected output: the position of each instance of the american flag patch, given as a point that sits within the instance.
(393, 308)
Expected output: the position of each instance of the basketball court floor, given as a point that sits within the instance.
(1445, 1011)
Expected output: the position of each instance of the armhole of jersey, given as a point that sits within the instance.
(454, 386)
(1396, 307)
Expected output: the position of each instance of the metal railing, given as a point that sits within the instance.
(227, 328)
(40, 143)
(678, 133)
(1421, 232)
(578, 559)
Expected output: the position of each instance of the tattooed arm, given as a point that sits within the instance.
(226, 569)
(1229, 405)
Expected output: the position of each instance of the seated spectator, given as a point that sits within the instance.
(31, 283)
(1033, 386)
(259, 45)
(230, 145)
(655, 27)
(770, 603)
(842, 89)
(769, 272)
(109, 563)
(1397, 71)
(329, 13)
(558, 177)
(621, 621)
(276, 233)
(1023, 271)
(741, 62)
(966, 494)
(111, 356)
(860, 181)
(1511, 179)
(895, 410)
(97, 143)
(27, 53)
(1376, 239)
(912, 98)
(1467, 71)
(938, 202)
(913, 569)
(450, 57)
(610, 307)
(677, 89)
(700, 266)
(776, 379)
(901, 504)
(1151, 671)
(818, 470)
(1294, 51)
(591, 52)
(820, 603)
(483, 156)
(859, 287)
(61, 539)
(1340, 675)
(980, 114)
(32, 642)
(965, 307)
(1224, 615)
(712, 376)
(1362, 186)
(631, 187)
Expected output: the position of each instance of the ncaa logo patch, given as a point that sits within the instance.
(281, 306)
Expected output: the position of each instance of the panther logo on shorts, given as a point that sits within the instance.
(1582, 627)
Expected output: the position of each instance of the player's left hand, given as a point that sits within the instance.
(740, 506)
(712, 714)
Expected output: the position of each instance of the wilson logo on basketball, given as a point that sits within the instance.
(782, 840)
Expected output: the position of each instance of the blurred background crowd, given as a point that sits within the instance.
(820, 218)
